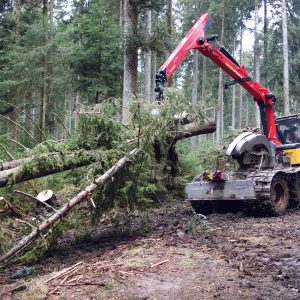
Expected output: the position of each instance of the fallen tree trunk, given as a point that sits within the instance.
(19, 174)
(193, 129)
(8, 165)
(13, 164)
(15, 173)
(64, 210)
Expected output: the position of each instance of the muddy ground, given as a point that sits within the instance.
(183, 256)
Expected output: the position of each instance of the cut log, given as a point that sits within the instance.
(193, 129)
(64, 210)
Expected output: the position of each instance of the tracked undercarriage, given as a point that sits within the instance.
(265, 182)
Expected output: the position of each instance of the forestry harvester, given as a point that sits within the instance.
(268, 176)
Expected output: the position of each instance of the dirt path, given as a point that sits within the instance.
(226, 256)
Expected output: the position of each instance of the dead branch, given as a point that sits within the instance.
(18, 143)
(12, 207)
(6, 151)
(159, 263)
(25, 222)
(17, 124)
(65, 272)
(63, 124)
(28, 116)
(101, 283)
(57, 287)
(64, 210)
(36, 199)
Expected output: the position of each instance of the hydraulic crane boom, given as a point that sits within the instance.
(209, 47)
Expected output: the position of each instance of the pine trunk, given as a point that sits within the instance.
(220, 107)
(233, 97)
(256, 112)
(265, 57)
(43, 103)
(154, 69)
(147, 70)
(121, 15)
(15, 112)
(51, 18)
(241, 88)
(169, 30)
(286, 100)
(195, 89)
(130, 57)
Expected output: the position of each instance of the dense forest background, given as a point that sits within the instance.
(58, 56)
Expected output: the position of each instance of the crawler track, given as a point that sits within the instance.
(263, 179)
(269, 201)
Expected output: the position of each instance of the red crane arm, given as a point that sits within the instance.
(190, 41)
(195, 39)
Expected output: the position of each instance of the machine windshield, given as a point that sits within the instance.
(288, 130)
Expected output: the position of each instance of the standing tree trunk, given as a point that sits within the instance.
(169, 31)
(154, 69)
(203, 93)
(148, 78)
(256, 64)
(265, 56)
(130, 57)
(220, 107)
(203, 85)
(15, 112)
(241, 88)
(286, 100)
(195, 90)
(51, 18)
(153, 59)
(44, 72)
(233, 97)
(121, 15)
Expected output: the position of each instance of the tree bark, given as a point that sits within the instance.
(51, 18)
(170, 32)
(15, 113)
(63, 211)
(256, 64)
(154, 69)
(241, 88)
(195, 89)
(13, 164)
(265, 56)
(147, 92)
(285, 51)
(43, 103)
(203, 92)
(130, 57)
(220, 106)
(233, 97)
(121, 15)
(192, 129)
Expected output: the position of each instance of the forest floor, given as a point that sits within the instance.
(183, 256)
